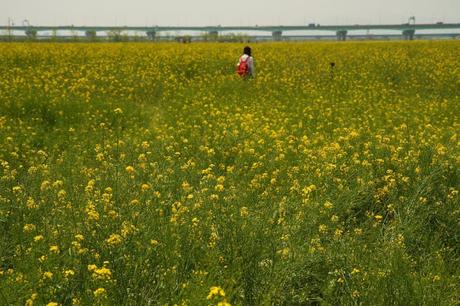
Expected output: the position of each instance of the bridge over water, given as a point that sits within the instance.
(407, 30)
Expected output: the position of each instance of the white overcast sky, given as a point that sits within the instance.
(225, 12)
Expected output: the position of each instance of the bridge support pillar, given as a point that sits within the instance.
(213, 35)
(342, 35)
(90, 34)
(31, 33)
(408, 34)
(277, 35)
(151, 35)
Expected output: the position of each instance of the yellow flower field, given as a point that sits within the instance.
(150, 174)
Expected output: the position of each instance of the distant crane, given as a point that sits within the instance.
(30, 32)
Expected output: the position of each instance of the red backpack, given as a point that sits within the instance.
(243, 68)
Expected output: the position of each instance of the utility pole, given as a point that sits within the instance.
(9, 28)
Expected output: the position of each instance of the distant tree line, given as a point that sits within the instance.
(119, 36)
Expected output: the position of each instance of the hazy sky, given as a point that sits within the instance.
(225, 12)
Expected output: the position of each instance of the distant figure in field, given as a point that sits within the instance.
(245, 66)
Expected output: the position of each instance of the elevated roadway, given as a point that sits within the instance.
(341, 31)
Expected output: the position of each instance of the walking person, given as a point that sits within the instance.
(245, 66)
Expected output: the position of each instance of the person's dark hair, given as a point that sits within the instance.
(247, 51)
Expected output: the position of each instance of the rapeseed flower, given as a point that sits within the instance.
(29, 228)
(54, 249)
(69, 273)
(100, 292)
(47, 275)
(114, 239)
(38, 238)
(215, 291)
